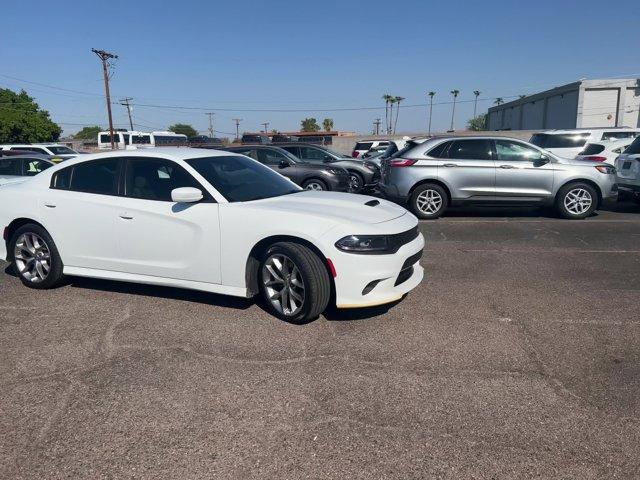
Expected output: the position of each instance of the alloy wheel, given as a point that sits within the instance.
(283, 284)
(32, 257)
(314, 186)
(354, 183)
(429, 202)
(578, 201)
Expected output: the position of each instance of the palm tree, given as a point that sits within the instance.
(498, 101)
(327, 124)
(392, 101)
(455, 94)
(387, 100)
(431, 95)
(398, 100)
(475, 103)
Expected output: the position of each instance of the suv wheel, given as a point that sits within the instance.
(356, 183)
(314, 184)
(576, 200)
(35, 257)
(428, 201)
(294, 282)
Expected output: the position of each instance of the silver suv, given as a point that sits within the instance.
(494, 171)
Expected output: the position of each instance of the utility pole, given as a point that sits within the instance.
(266, 127)
(211, 130)
(376, 126)
(431, 95)
(475, 102)
(125, 101)
(105, 57)
(237, 121)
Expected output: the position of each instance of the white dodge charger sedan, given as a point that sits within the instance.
(212, 221)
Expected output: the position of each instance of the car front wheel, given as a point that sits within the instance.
(294, 282)
(314, 184)
(576, 201)
(428, 201)
(356, 182)
(35, 257)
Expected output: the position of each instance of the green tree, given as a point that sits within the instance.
(477, 124)
(184, 129)
(88, 133)
(397, 100)
(22, 120)
(309, 125)
(498, 101)
(327, 124)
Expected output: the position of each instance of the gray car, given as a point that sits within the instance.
(18, 168)
(493, 171)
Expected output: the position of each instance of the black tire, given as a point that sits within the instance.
(54, 275)
(319, 183)
(356, 182)
(415, 200)
(314, 275)
(571, 188)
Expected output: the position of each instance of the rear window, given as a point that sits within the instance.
(634, 148)
(363, 146)
(56, 150)
(439, 151)
(592, 149)
(564, 140)
(617, 135)
(410, 145)
(10, 167)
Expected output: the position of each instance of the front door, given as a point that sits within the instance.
(163, 238)
(522, 171)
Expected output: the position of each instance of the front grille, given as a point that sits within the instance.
(399, 239)
(407, 268)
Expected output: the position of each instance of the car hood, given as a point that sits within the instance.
(345, 207)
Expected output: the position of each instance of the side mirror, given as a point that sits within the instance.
(283, 164)
(543, 160)
(186, 195)
(327, 159)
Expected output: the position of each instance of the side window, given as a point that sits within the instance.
(509, 151)
(61, 179)
(270, 157)
(10, 167)
(106, 138)
(439, 151)
(34, 150)
(154, 179)
(312, 155)
(295, 151)
(470, 150)
(33, 166)
(99, 176)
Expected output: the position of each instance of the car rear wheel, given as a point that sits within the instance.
(314, 184)
(35, 257)
(428, 201)
(576, 201)
(356, 182)
(294, 282)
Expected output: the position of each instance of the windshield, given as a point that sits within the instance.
(634, 148)
(62, 151)
(241, 179)
(408, 146)
(564, 140)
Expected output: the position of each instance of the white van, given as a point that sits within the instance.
(59, 151)
(126, 138)
(569, 143)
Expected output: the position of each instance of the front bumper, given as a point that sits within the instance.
(338, 182)
(393, 275)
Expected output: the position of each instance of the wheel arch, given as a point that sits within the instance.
(589, 182)
(255, 256)
(13, 226)
(431, 180)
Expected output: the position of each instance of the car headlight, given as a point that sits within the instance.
(371, 166)
(363, 243)
(335, 171)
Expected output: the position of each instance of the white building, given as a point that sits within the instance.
(582, 104)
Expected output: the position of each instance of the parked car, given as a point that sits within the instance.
(569, 143)
(57, 151)
(255, 139)
(493, 171)
(17, 168)
(204, 140)
(366, 145)
(213, 221)
(362, 175)
(628, 171)
(604, 151)
(394, 147)
(308, 175)
(280, 138)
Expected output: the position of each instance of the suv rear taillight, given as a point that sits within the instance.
(355, 154)
(401, 162)
(595, 158)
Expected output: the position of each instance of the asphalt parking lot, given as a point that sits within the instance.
(517, 357)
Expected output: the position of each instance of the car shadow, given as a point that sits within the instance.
(334, 314)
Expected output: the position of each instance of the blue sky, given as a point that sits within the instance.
(308, 56)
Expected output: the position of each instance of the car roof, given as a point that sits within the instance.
(37, 156)
(586, 130)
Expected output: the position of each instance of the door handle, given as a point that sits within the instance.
(50, 205)
(449, 165)
(125, 216)
(507, 166)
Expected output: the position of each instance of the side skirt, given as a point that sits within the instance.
(151, 280)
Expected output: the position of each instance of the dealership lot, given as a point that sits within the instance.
(517, 356)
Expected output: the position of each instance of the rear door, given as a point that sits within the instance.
(522, 171)
(467, 166)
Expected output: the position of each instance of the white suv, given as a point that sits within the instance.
(59, 151)
(628, 171)
(569, 143)
(366, 145)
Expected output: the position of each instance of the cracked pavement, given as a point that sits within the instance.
(517, 357)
